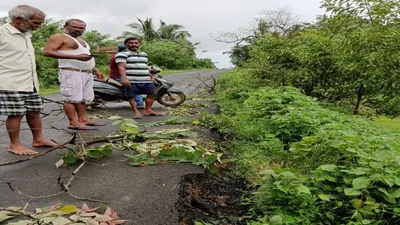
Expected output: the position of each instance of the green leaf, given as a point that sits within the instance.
(331, 178)
(276, 220)
(357, 203)
(390, 180)
(197, 155)
(114, 118)
(288, 174)
(130, 121)
(95, 154)
(267, 172)
(328, 167)
(330, 216)
(131, 130)
(396, 210)
(361, 183)
(303, 189)
(107, 152)
(352, 192)
(213, 168)
(142, 160)
(68, 209)
(366, 222)
(70, 159)
(323, 197)
(196, 122)
(117, 122)
(285, 189)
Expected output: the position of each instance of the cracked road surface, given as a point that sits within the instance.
(141, 195)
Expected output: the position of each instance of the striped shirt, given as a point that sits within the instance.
(137, 69)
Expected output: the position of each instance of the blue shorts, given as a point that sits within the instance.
(140, 88)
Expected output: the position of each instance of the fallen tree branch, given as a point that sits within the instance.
(116, 138)
(39, 197)
(39, 155)
(66, 188)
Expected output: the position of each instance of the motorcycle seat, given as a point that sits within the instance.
(114, 83)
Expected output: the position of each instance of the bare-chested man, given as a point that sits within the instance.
(19, 84)
(76, 68)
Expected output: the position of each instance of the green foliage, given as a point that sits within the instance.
(310, 164)
(240, 55)
(349, 55)
(147, 31)
(162, 146)
(174, 54)
(46, 67)
(73, 156)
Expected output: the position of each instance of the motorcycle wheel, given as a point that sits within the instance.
(171, 98)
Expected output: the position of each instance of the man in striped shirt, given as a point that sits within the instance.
(136, 78)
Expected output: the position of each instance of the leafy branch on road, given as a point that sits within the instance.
(61, 215)
(207, 84)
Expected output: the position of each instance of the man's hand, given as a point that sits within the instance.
(82, 57)
(125, 82)
(152, 78)
(100, 75)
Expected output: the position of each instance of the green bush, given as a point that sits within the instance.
(171, 54)
(203, 63)
(349, 55)
(310, 164)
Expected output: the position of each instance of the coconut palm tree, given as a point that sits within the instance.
(172, 31)
(146, 30)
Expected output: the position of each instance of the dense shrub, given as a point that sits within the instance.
(310, 163)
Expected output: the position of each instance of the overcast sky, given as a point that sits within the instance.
(200, 17)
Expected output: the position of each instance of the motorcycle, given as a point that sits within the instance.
(111, 90)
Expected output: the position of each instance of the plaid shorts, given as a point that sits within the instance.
(14, 103)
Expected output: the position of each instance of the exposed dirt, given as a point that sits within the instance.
(212, 199)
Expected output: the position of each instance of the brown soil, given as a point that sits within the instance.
(212, 199)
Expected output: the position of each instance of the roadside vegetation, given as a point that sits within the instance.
(308, 116)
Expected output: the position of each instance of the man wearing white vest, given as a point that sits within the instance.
(76, 66)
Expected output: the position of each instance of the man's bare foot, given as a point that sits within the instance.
(152, 113)
(43, 143)
(85, 121)
(91, 123)
(21, 150)
(137, 116)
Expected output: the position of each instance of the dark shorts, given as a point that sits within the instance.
(140, 88)
(14, 103)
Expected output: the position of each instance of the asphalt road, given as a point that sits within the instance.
(142, 195)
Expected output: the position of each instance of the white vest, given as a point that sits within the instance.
(73, 63)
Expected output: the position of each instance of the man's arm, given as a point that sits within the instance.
(99, 74)
(121, 60)
(122, 72)
(54, 43)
